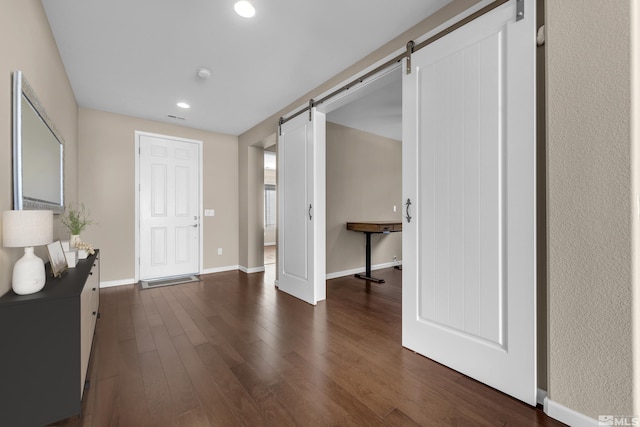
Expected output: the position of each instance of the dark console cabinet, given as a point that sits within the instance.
(45, 346)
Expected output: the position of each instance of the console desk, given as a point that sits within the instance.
(369, 227)
(46, 345)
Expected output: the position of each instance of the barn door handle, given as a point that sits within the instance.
(407, 210)
(310, 207)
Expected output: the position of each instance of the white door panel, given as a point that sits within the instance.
(168, 207)
(468, 169)
(301, 199)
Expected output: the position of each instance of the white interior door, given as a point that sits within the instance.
(301, 207)
(169, 207)
(469, 173)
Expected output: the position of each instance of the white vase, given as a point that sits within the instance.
(74, 240)
(28, 274)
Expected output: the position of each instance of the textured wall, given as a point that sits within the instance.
(27, 44)
(107, 176)
(589, 210)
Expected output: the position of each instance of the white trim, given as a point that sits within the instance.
(361, 269)
(541, 396)
(567, 415)
(120, 282)
(251, 270)
(136, 220)
(220, 269)
(132, 281)
(269, 243)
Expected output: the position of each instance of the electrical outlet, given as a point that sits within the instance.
(219, 251)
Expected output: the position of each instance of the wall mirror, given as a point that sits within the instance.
(38, 148)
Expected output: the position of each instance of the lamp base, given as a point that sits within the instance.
(28, 274)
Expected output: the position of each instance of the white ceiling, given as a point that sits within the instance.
(379, 112)
(140, 57)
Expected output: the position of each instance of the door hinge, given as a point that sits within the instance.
(280, 123)
(519, 10)
(310, 109)
(410, 45)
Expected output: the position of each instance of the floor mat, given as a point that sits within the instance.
(167, 281)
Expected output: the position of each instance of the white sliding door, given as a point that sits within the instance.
(469, 173)
(301, 207)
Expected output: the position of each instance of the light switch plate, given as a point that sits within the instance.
(209, 212)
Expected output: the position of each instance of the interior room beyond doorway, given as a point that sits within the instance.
(270, 206)
(364, 178)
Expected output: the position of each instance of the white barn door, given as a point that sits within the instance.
(469, 174)
(169, 206)
(301, 207)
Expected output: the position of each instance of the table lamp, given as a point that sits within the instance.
(26, 229)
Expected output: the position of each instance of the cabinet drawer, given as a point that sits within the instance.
(89, 305)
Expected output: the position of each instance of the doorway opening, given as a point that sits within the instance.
(364, 179)
(270, 206)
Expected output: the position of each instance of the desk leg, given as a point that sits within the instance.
(367, 275)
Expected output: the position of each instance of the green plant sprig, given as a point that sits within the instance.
(76, 219)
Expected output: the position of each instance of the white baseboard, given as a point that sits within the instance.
(220, 269)
(567, 415)
(361, 270)
(541, 396)
(112, 283)
(131, 281)
(251, 270)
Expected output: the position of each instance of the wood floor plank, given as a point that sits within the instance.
(169, 319)
(233, 350)
(141, 328)
(273, 411)
(300, 407)
(183, 396)
(234, 393)
(132, 402)
(194, 418)
(156, 388)
(355, 412)
(218, 411)
(105, 392)
(190, 328)
(125, 322)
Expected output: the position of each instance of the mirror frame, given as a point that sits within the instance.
(21, 87)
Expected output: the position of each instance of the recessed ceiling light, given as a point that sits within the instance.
(204, 73)
(244, 9)
(183, 105)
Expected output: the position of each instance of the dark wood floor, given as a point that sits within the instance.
(232, 351)
(270, 255)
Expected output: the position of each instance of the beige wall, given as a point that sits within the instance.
(107, 176)
(364, 182)
(27, 44)
(589, 206)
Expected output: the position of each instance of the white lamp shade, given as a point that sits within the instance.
(27, 228)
